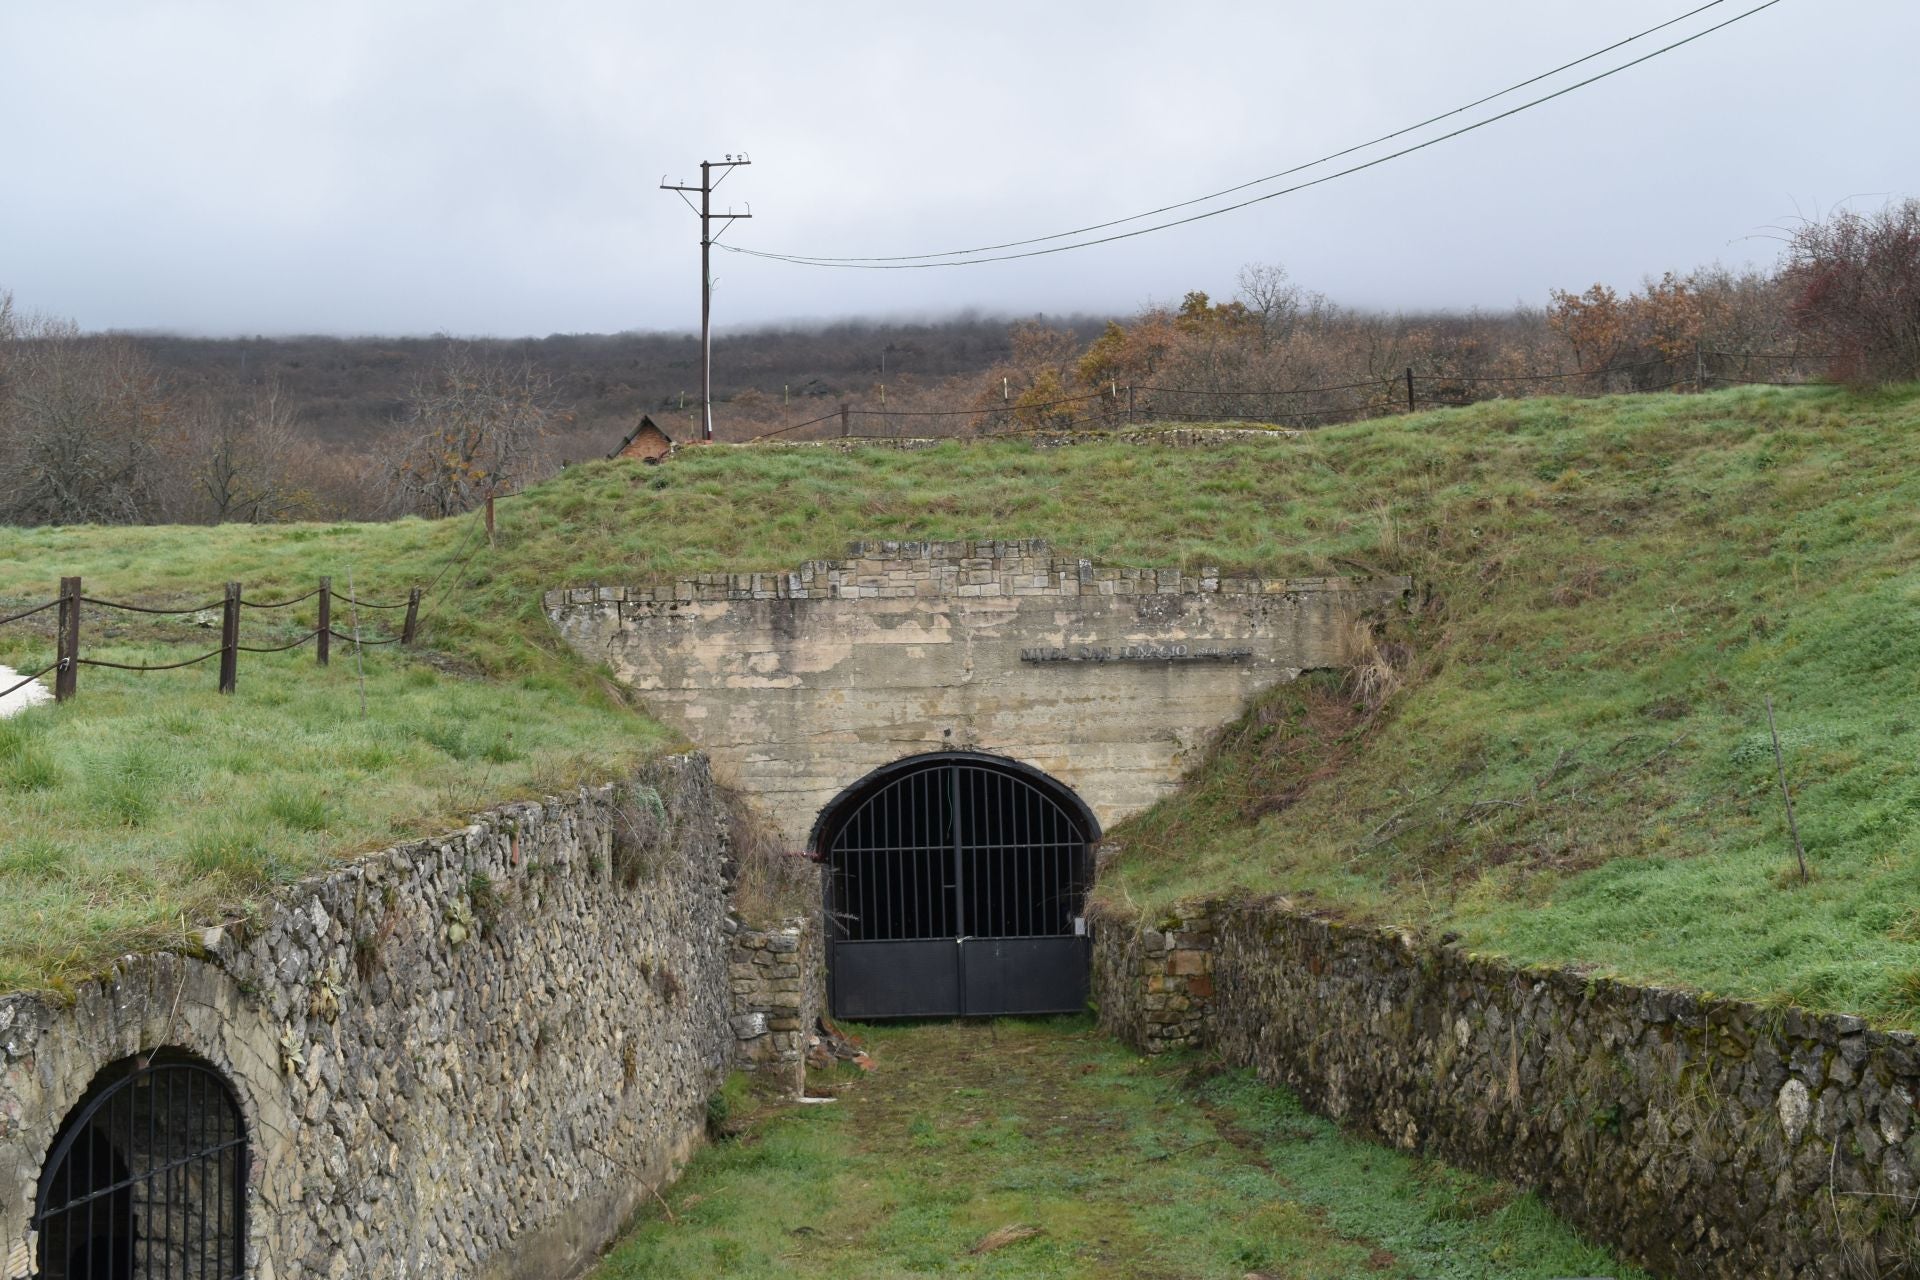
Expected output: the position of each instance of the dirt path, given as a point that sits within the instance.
(1043, 1149)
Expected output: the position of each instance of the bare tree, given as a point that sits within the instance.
(9, 334)
(1268, 292)
(81, 427)
(246, 459)
(473, 427)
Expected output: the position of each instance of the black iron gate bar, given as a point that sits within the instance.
(908, 866)
(216, 1139)
(1032, 873)
(875, 901)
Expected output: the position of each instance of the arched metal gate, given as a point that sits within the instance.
(956, 886)
(147, 1179)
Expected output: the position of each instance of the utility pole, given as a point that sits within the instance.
(707, 218)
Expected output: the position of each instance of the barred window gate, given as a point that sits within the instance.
(956, 886)
(147, 1179)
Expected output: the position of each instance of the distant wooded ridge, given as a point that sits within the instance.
(354, 389)
(135, 428)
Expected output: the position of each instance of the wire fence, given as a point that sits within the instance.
(1404, 391)
(73, 604)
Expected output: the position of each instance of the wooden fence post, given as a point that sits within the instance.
(1409, 388)
(67, 647)
(1130, 418)
(230, 638)
(489, 519)
(413, 617)
(325, 631)
(846, 420)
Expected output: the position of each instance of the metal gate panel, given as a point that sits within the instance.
(1024, 975)
(955, 886)
(896, 979)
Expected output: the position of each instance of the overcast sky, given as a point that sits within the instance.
(408, 167)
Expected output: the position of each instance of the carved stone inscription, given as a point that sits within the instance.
(1200, 651)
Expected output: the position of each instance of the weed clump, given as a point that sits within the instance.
(25, 762)
(771, 883)
(126, 789)
(642, 835)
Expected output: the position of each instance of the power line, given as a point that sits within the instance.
(880, 264)
(1254, 182)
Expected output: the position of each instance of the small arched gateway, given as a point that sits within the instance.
(146, 1178)
(956, 886)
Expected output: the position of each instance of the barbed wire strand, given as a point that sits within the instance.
(1548, 377)
(339, 635)
(164, 666)
(39, 608)
(248, 648)
(1384, 380)
(433, 601)
(768, 435)
(277, 604)
(12, 688)
(164, 613)
(366, 604)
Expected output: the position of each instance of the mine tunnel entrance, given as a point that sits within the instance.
(956, 886)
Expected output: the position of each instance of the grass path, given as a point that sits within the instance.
(1087, 1161)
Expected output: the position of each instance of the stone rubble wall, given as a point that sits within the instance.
(1169, 437)
(778, 979)
(1166, 437)
(960, 569)
(1153, 985)
(471, 1055)
(1699, 1137)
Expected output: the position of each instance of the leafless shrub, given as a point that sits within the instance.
(1856, 279)
(1280, 304)
(771, 883)
(1375, 670)
(245, 459)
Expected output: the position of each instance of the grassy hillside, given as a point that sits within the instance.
(1579, 768)
(1576, 769)
(152, 805)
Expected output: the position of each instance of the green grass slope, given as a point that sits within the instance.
(1577, 769)
(1580, 769)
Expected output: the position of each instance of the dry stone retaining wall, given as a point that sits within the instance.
(1165, 437)
(1153, 984)
(1701, 1137)
(778, 978)
(467, 1056)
